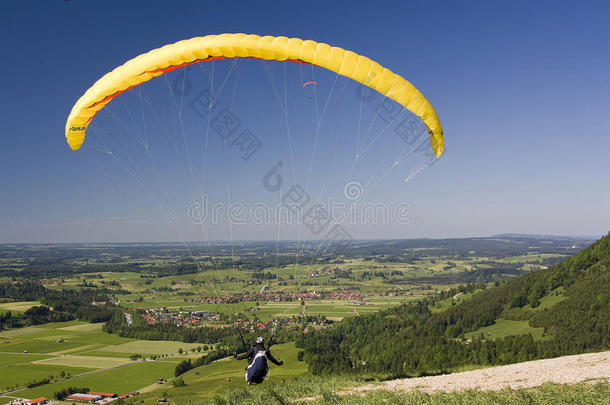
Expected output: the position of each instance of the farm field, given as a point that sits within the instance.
(19, 375)
(150, 347)
(70, 348)
(17, 306)
(332, 309)
(11, 359)
(128, 378)
(367, 274)
(84, 361)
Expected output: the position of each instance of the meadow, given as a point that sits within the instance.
(226, 374)
(128, 378)
(504, 327)
(18, 306)
(69, 349)
(323, 391)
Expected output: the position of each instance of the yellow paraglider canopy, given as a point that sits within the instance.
(213, 47)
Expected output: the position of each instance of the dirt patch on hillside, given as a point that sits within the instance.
(562, 370)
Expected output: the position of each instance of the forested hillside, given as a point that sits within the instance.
(412, 339)
(57, 305)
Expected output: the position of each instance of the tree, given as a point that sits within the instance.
(183, 367)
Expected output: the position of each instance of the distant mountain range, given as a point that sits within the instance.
(541, 236)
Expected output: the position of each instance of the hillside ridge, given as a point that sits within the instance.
(411, 340)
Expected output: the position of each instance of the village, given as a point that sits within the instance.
(281, 296)
(195, 318)
(181, 318)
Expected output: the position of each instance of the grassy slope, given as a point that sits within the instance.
(504, 327)
(209, 380)
(555, 394)
(550, 300)
(447, 303)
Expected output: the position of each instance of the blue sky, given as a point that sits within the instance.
(522, 89)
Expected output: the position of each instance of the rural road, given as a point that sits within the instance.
(563, 370)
